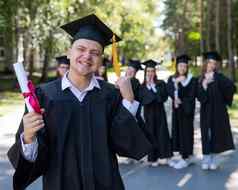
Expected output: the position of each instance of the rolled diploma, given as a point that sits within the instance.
(22, 80)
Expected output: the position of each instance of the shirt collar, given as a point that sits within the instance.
(67, 84)
(188, 79)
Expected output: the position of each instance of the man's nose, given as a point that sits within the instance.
(87, 55)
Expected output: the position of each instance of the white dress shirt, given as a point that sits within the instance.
(151, 86)
(30, 151)
(187, 80)
(184, 83)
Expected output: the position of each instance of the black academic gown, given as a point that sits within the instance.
(156, 121)
(214, 118)
(183, 117)
(135, 83)
(78, 145)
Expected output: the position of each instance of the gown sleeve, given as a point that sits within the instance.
(201, 93)
(227, 88)
(25, 171)
(127, 137)
(161, 94)
(170, 88)
(135, 87)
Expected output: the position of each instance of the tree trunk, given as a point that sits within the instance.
(201, 26)
(181, 33)
(31, 62)
(229, 41)
(9, 45)
(47, 55)
(209, 24)
(218, 46)
(45, 66)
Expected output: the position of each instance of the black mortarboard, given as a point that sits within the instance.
(212, 55)
(183, 59)
(92, 28)
(136, 64)
(62, 60)
(150, 63)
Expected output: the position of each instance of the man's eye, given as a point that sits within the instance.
(80, 49)
(94, 53)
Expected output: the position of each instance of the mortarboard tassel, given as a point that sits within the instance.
(115, 62)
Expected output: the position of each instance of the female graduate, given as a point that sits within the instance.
(152, 95)
(133, 67)
(215, 93)
(182, 89)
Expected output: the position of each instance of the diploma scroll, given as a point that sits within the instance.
(27, 89)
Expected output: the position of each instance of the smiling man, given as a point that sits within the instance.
(85, 122)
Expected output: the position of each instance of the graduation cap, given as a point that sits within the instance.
(136, 64)
(212, 55)
(92, 28)
(62, 60)
(150, 63)
(183, 59)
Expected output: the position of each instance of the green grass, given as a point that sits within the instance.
(233, 112)
(7, 84)
(9, 100)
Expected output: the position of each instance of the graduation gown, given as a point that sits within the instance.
(214, 118)
(156, 121)
(78, 145)
(183, 116)
(135, 83)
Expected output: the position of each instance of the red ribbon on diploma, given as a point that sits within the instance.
(32, 97)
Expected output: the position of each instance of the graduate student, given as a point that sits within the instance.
(182, 90)
(215, 93)
(133, 67)
(152, 95)
(86, 122)
(62, 66)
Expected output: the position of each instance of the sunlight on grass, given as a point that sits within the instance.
(233, 111)
(9, 101)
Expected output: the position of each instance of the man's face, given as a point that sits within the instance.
(85, 57)
(62, 69)
(131, 72)
(182, 68)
